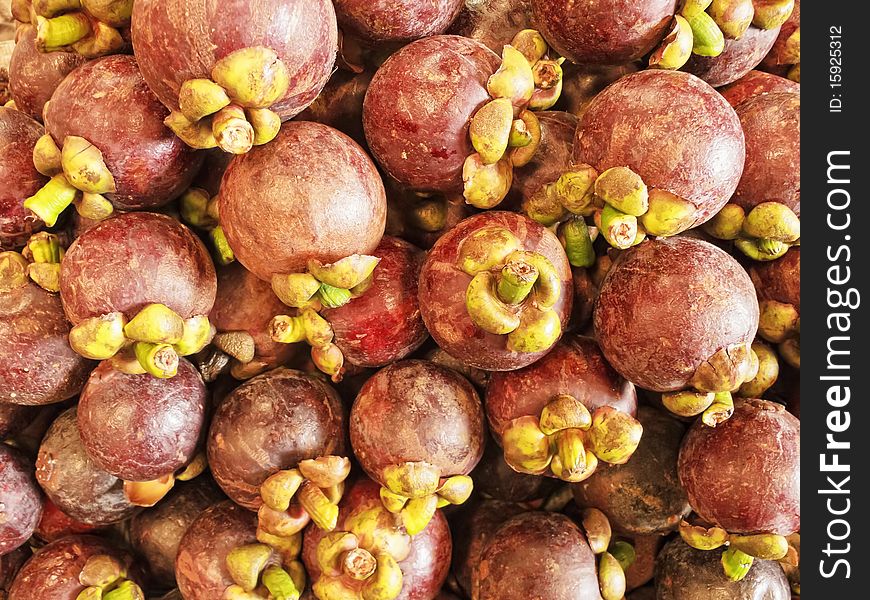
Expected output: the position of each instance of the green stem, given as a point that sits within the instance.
(52, 199)
(517, 280)
(61, 31)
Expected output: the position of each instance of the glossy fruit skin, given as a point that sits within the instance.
(269, 423)
(603, 31)
(53, 572)
(19, 179)
(443, 286)
(384, 324)
(644, 495)
(493, 477)
(157, 532)
(34, 75)
(276, 221)
(551, 159)
(758, 446)
(492, 22)
(427, 564)
(737, 59)
(525, 547)
(472, 528)
(20, 498)
(245, 302)
(107, 102)
(303, 33)
(74, 482)
(779, 280)
(418, 108)
(37, 365)
(772, 174)
(673, 130)
(135, 259)
(414, 410)
(756, 83)
(200, 565)
(395, 20)
(576, 366)
(711, 305)
(139, 427)
(683, 573)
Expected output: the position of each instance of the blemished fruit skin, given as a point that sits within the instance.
(200, 565)
(658, 345)
(270, 423)
(106, 102)
(311, 193)
(514, 558)
(135, 259)
(162, 424)
(683, 573)
(756, 83)
(303, 33)
(605, 32)
(34, 75)
(418, 108)
(20, 498)
(53, 572)
(395, 20)
(759, 448)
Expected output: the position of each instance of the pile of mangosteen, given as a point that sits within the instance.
(394, 299)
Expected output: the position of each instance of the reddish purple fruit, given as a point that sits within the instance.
(37, 365)
(672, 129)
(659, 345)
(53, 572)
(384, 324)
(20, 500)
(156, 533)
(603, 31)
(19, 179)
(276, 220)
(738, 58)
(756, 83)
(107, 103)
(537, 553)
(303, 33)
(201, 562)
(135, 259)
(683, 573)
(74, 482)
(395, 20)
(139, 427)
(271, 423)
(758, 447)
(418, 108)
(34, 75)
(771, 123)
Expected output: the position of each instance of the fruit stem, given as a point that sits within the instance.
(359, 564)
(232, 131)
(517, 280)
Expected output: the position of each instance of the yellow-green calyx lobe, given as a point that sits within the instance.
(512, 292)
(415, 490)
(310, 492)
(567, 441)
(232, 110)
